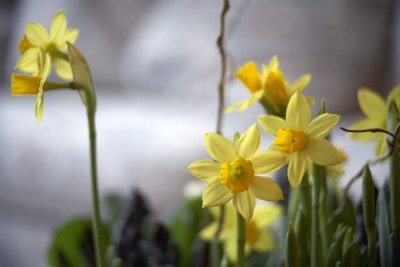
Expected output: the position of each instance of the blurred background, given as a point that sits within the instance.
(156, 67)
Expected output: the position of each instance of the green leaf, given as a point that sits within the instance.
(82, 78)
(65, 248)
(383, 225)
(351, 256)
(291, 259)
(335, 249)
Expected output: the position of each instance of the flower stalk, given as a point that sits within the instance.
(241, 239)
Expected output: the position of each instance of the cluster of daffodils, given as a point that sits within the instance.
(40, 51)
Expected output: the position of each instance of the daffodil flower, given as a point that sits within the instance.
(376, 111)
(270, 87)
(299, 139)
(22, 85)
(37, 39)
(258, 235)
(334, 172)
(234, 173)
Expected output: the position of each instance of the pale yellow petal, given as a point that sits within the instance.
(37, 35)
(322, 152)
(271, 124)
(243, 105)
(231, 249)
(265, 242)
(245, 202)
(301, 83)
(70, 36)
(394, 95)
(268, 161)
(371, 103)
(298, 165)
(63, 69)
(322, 125)
(298, 113)
(24, 84)
(204, 169)
(249, 142)
(24, 45)
(219, 148)
(28, 62)
(264, 216)
(266, 189)
(215, 194)
(39, 108)
(272, 65)
(208, 233)
(381, 144)
(58, 27)
(366, 123)
(248, 74)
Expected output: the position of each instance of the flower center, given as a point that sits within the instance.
(289, 141)
(237, 175)
(275, 91)
(252, 233)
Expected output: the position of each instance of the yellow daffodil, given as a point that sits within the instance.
(299, 139)
(258, 235)
(234, 173)
(334, 172)
(37, 40)
(33, 85)
(376, 111)
(270, 87)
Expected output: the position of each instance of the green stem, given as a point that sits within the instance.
(395, 201)
(314, 217)
(53, 86)
(323, 227)
(95, 195)
(241, 238)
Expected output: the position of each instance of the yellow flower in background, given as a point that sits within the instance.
(258, 235)
(376, 111)
(234, 173)
(36, 41)
(22, 85)
(270, 87)
(335, 172)
(299, 139)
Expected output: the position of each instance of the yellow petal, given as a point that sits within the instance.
(322, 152)
(24, 84)
(394, 95)
(272, 65)
(264, 216)
(381, 144)
(322, 125)
(266, 189)
(24, 45)
(63, 69)
(298, 113)
(219, 148)
(231, 249)
(39, 108)
(271, 124)
(243, 105)
(37, 35)
(249, 142)
(70, 36)
(366, 123)
(204, 169)
(208, 233)
(215, 194)
(28, 62)
(249, 76)
(298, 165)
(265, 242)
(371, 103)
(268, 161)
(300, 83)
(245, 202)
(58, 27)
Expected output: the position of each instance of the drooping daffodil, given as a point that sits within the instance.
(258, 230)
(299, 139)
(375, 109)
(234, 173)
(37, 40)
(22, 85)
(270, 88)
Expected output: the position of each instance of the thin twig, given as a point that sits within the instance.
(343, 202)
